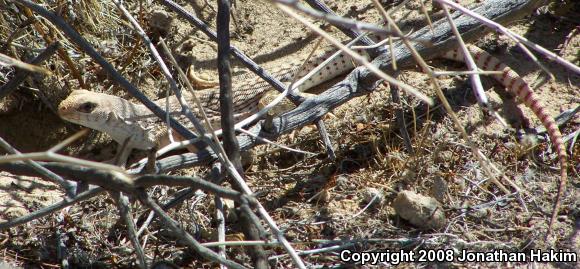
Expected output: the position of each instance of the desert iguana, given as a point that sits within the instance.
(122, 119)
(134, 123)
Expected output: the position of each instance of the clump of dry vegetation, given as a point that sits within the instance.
(362, 199)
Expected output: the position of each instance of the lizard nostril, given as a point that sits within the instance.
(63, 109)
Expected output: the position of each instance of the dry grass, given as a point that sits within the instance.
(313, 199)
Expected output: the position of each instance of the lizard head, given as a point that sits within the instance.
(90, 109)
(106, 113)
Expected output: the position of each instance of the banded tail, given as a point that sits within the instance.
(516, 85)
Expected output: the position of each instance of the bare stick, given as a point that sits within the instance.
(338, 21)
(401, 119)
(225, 79)
(179, 197)
(474, 78)
(227, 122)
(466, 73)
(125, 211)
(221, 220)
(276, 144)
(319, 5)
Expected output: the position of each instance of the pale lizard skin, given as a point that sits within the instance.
(122, 119)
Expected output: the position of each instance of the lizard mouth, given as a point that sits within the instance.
(67, 113)
(63, 111)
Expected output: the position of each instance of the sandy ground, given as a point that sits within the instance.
(312, 197)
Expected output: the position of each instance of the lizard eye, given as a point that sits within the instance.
(87, 107)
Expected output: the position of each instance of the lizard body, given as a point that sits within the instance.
(122, 119)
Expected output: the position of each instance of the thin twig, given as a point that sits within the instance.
(474, 78)
(276, 144)
(180, 196)
(466, 73)
(320, 6)
(50, 209)
(520, 39)
(326, 140)
(468, 60)
(62, 53)
(67, 186)
(221, 230)
(69, 140)
(9, 61)
(358, 58)
(44, 155)
(338, 21)
(86, 47)
(21, 75)
(225, 79)
(185, 109)
(400, 115)
(180, 233)
(125, 212)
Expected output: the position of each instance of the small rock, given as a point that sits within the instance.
(248, 158)
(444, 156)
(439, 188)
(160, 22)
(342, 182)
(229, 210)
(321, 197)
(421, 211)
(374, 195)
(360, 118)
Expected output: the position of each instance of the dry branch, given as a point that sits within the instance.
(360, 81)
